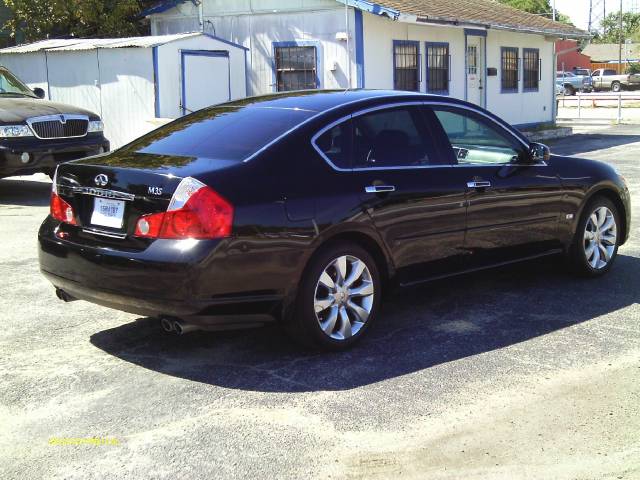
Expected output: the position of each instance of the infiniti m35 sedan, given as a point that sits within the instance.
(302, 207)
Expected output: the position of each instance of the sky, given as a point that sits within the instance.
(578, 10)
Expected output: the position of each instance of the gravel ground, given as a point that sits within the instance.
(523, 372)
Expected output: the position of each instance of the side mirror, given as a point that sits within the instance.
(538, 153)
(39, 92)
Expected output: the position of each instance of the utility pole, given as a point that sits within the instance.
(553, 8)
(620, 40)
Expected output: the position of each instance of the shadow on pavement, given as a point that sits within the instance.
(28, 193)
(435, 323)
(588, 142)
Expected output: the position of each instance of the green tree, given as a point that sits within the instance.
(610, 28)
(40, 19)
(537, 7)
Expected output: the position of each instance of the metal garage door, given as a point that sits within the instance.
(205, 79)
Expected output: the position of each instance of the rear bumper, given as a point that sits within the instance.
(163, 280)
(46, 154)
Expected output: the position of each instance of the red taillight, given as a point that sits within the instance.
(195, 211)
(61, 210)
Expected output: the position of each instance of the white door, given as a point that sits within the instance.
(475, 70)
(205, 79)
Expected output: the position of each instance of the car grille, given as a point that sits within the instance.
(57, 129)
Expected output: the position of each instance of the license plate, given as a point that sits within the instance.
(107, 213)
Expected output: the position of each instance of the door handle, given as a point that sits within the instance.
(479, 184)
(379, 188)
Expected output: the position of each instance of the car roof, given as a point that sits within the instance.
(319, 101)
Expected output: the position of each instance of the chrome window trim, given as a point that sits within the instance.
(56, 117)
(416, 167)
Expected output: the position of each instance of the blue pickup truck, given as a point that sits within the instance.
(568, 83)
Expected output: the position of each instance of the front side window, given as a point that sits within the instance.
(531, 69)
(475, 141)
(405, 65)
(438, 68)
(509, 71)
(393, 137)
(296, 68)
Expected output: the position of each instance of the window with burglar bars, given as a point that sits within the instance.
(438, 65)
(531, 69)
(510, 74)
(405, 65)
(296, 68)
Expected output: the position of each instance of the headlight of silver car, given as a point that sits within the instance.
(95, 126)
(11, 131)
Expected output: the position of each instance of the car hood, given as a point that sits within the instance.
(17, 110)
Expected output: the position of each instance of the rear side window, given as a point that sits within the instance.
(393, 137)
(224, 133)
(335, 145)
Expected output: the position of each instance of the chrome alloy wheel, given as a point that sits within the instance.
(344, 297)
(600, 238)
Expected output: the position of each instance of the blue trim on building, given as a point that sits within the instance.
(224, 41)
(372, 7)
(199, 53)
(475, 32)
(300, 43)
(418, 61)
(510, 90)
(483, 93)
(524, 51)
(359, 34)
(426, 56)
(163, 7)
(156, 82)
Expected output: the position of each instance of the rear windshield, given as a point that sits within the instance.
(225, 133)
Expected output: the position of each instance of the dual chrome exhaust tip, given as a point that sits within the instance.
(177, 326)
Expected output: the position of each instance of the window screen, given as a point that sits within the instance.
(405, 64)
(510, 74)
(531, 68)
(389, 138)
(438, 68)
(296, 68)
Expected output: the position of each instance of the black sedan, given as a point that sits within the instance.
(303, 208)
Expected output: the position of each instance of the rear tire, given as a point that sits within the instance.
(595, 244)
(338, 298)
(616, 87)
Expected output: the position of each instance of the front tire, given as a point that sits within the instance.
(338, 298)
(595, 244)
(616, 87)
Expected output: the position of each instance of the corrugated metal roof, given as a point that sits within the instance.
(93, 43)
(485, 13)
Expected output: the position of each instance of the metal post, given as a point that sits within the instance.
(619, 119)
(620, 40)
(579, 104)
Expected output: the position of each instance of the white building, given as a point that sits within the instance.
(479, 50)
(133, 82)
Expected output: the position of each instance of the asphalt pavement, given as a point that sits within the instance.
(521, 372)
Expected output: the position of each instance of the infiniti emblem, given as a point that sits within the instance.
(101, 180)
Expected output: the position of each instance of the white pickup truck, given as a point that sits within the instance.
(608, 79)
